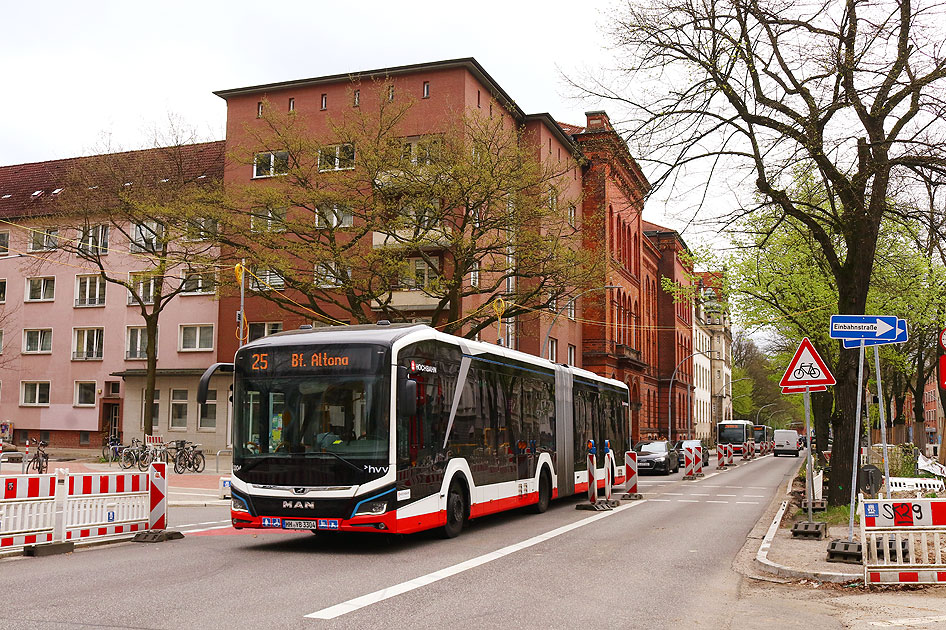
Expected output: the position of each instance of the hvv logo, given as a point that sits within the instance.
(383, 470)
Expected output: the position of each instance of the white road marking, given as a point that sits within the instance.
(661, 500)
(206, 529)
(699, 494)
(674, 494)
(748, 502)
(687, 501)
(710, 501)
(736, 487)
(725, 495)
(196, 524)
(754, 496)
(392, 591)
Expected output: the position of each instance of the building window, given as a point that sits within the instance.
(197, 337)
(571, 214)
(258, 330)
(259, 109)
(85, 394)
(201, 229)
(43, 240)
(570, 309)
(356, 98)
(90, 290)
(93, 240)
(421, 150)
(475, 274)
(137, 343)
(89, 343)
(3, 291)
(426, 90)
(198, 283)
(266, 279)
(1, 341)
(4, 243)
(420, 274)
(324, 102)
(509, 332)
(35, 393)
(113, 388)
(553, 350)
(269, 219)
(208, 412)
(38, 341)
(292, 104)
(572, 353)
(146, 237)
(390, 92)
(40, 289)
(83, 438)
(328, 275)
(270, 163)
(338, 157)
(178, 409)
(143, 283)
(155, 408)
(477, 98)
(333, 216)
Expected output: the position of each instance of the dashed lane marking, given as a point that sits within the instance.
(747, 502)
(711, 501)
(392, 591)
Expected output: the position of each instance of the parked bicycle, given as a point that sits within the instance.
(130, 454)
(152, 453)
(39, 462)
(189, 458)
(112, 448)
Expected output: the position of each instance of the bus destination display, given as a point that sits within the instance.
(290, 359)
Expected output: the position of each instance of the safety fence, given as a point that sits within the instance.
(911, 484)
(80, 508)
(903, 540)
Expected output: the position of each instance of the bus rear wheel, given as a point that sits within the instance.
(545, 493)
(456, 511)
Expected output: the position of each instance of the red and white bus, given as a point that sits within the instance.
(735, 432)
(400, 428)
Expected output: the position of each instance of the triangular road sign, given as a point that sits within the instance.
(806, 368)
(801, 390)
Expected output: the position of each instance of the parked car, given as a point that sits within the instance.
(681, 445)
(657, 455)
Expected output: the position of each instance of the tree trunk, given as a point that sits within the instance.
(822, 404)
(151, 331)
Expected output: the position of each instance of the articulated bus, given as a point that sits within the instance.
(735, 432)
(401, 428)
(763, 433)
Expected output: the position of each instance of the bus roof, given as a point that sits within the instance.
(389, 334)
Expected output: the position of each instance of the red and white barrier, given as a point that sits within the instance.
(745, 451)
(608, 467)
(159, 493)
(720, 456)
(729, 455)
(903, 540)
(27, 510)
(698, 462)
(630, 473)
(105, 505)
(688, 463)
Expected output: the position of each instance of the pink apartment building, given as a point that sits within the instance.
(73, 356)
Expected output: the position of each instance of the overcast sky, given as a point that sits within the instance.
(74, 74)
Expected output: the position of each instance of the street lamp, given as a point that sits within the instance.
(670, 392)
(545, 342)
(722, 410)
(760, 411)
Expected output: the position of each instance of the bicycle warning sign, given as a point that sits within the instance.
(806, 369)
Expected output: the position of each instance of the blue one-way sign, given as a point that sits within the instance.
(863, 327)
(902, 337)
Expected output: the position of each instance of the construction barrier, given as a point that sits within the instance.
(698, 462)
(592, 467)
(745, 451)
(903, 540)
(105, 505)
(721, 456)
(94, 506)
(729, 455)
(911, 484)
(630, 475)
(158, 494)
(608, 467)
(689, 462)
(27, 510)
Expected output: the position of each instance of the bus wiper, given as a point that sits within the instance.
(343, 460)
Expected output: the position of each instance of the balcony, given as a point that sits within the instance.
(405, 299)
(624, 354)
(95, 355)
(90, 301)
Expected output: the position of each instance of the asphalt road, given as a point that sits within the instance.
(658, 563)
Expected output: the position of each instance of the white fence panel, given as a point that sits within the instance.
(903, 540)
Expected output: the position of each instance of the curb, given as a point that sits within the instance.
(774, 568)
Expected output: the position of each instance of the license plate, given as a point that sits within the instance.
(322, 523)
(646, 464)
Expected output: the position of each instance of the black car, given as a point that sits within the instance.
(657, 455)
(696, 444)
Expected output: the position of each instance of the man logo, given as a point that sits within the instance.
(299, 505)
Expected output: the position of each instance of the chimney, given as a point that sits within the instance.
(598, 121)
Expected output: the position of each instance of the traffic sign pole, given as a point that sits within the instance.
(883, 420)
(857, 441)
(809, 476)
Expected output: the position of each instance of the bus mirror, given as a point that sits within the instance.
(407, 397)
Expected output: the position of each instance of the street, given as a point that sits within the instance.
(661, 562)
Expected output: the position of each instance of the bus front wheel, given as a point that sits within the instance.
(545, 493)
(456, 511)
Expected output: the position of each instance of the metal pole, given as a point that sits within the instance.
(883, 421)
(857, 441)
(242, 323)
(690, 410)
(809, 487)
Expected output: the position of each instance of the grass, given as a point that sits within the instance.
(834, 515)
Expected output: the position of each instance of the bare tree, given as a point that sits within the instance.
(850, 91)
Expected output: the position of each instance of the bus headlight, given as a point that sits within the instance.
(238, 506)
(372, 508)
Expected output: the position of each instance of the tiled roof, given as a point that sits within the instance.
(653, 227)
(571, 129)
(28, 190)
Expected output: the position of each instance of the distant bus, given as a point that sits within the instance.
(762, 433)
(735, 432)
(401, 428)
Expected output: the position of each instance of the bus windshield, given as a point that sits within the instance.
(759, 433)
(732, 434)
(309, 425)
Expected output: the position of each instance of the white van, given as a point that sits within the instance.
(786, 441)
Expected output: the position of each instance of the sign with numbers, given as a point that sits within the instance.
(908, 513)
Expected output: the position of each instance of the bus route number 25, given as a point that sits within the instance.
(260, 361)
